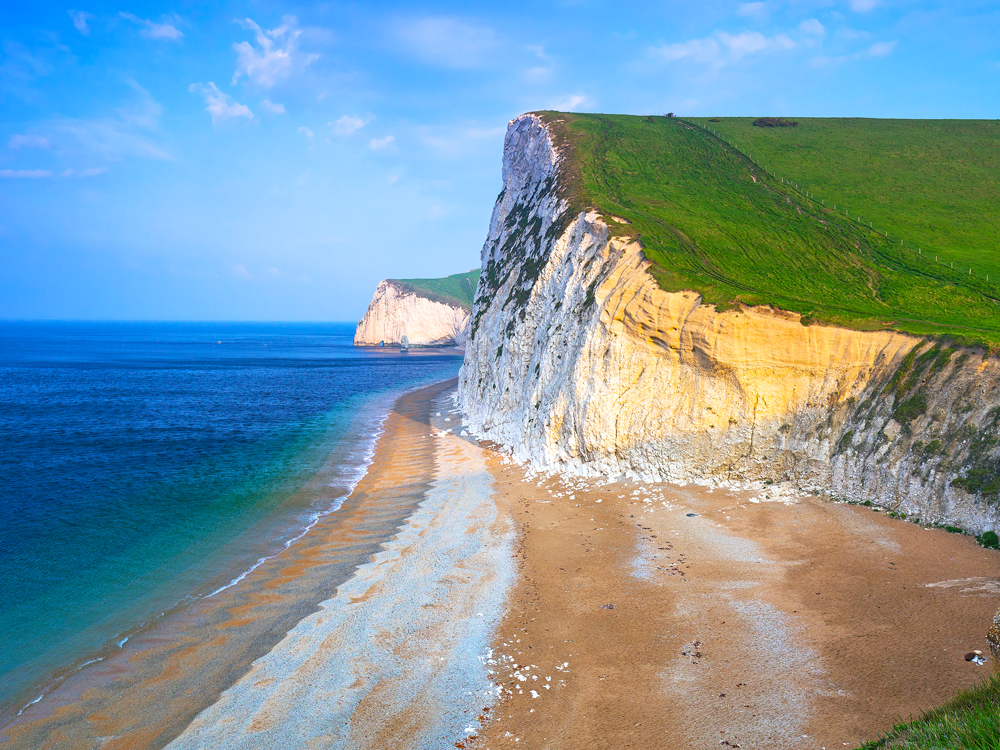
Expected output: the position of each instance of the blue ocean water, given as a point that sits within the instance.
(145, 464)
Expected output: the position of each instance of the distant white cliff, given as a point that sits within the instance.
(397, 310)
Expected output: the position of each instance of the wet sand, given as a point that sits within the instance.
(144, 696)
(749, 624)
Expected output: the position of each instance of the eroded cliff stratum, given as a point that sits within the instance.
(578, 359)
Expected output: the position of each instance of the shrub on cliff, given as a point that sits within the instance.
(775, 122)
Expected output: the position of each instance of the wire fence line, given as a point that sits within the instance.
(913, 248)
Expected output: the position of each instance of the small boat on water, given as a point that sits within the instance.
(404, 343)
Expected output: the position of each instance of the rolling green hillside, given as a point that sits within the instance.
(459, 288)
(935, 183)
(714, 221)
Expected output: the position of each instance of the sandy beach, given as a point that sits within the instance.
(458, 600)
(665, 616)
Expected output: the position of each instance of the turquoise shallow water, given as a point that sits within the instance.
(147, 464)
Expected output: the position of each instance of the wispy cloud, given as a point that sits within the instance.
(92, 172)
(27, 174)
(347, 125)
(863, 6)
(153, 30)
(878, 49)
(80, 19)
(219, 104)
(570, 103)
(722, 48)
(448, 42)
(129, 133)
(27, 141)
(274, 109)
(240, 272)
(270, 61)
(21, 67)
(378, 144)
(813, 27)
(460, 142)
(758, 11)
(306, 132)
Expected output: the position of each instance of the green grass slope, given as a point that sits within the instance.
(714, 221)
(458, 289)
(969, 722)
(933, 182)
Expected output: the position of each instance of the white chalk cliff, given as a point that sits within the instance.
(577, 360)
(396, 310)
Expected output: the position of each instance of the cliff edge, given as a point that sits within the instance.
(578, 360)
(429, 312)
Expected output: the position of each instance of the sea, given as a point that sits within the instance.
(144, 466)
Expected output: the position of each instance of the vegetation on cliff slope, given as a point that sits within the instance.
(971, 722)
(713, 220)
(458, 289)
(935, 183)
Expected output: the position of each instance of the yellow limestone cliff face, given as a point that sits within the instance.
(677, 367)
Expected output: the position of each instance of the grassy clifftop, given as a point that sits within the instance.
(716, 221)
(458, 289)
(933, 182)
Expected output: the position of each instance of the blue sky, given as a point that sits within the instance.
(272, 161)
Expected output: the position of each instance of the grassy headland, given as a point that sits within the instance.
(714, 220)
(458, 289)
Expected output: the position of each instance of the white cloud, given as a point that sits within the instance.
(29, 174)
(272, 272)
(93, 172)
(878, 49)
(80, 19)
(862, 6)
(538, 74)
(812, 26)
(448, 42)
(570, 103)
(306, 132)
(152, 30)
(457, 143)
(220, 104)
(722, 48)
(758, 11)
(269, 63)
(28, 141)
(377, 144)
(881, 49)
(129, 133)
(240, 272)
(274, 109)
(347, 125)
